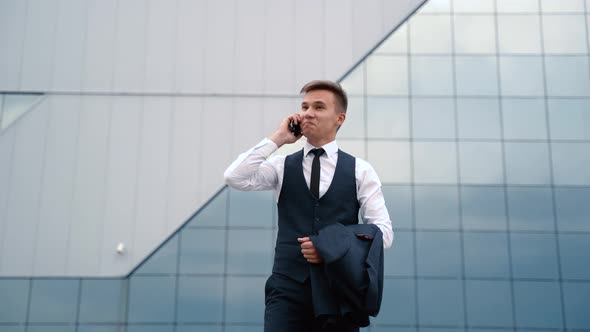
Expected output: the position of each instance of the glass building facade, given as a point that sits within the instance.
(13, 106)
(476, 115)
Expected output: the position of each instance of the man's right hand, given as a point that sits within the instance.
(283, 134)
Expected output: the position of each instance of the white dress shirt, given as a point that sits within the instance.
(254, 170)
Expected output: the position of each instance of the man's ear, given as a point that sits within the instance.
(341, 118)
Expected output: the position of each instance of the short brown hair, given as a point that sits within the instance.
(331, 86)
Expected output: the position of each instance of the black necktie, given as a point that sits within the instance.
(314, 183)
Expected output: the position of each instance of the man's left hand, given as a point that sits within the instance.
(309, 251)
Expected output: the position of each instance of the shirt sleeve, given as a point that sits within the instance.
(371, 200)
(252, 170)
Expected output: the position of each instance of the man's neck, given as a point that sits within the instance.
(321, 142)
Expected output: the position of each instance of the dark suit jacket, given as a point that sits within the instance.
(349, 283)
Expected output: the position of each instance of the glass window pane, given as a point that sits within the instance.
(479, 118)
(151, 299)
(54, 301)
(244, 328)
(214, 213)
(440, 302)
(538, 304)
(521, 76)
(562, 6)
(519, 34)
(433, 118)
(398, 200)
(50, 328)
(251, 208)
(355, 147)
(483, 208)
(474, 33)
(247, 300)
(14, 295)
(573, 210)
(387, 75)
(530, 209)
(577, 305)
(391, 160)
(250, 251)
(486, 255)
(563, 33)
(432, 76)
(15, 105)
(436, 6)
(570, 163)
(200, 299)
(396, 42)
(569, 118)
(527, 163)
(354, 126)
(354, 82)
(12, 328)
(524, 118)
(150, 328)
(199, 328)
(521, 6)
(163, 261)
(485, 298)
(388, 117)
(400, 261)
(481, 163)
(534, 255)
(103, 301)
(470, 6)
(202, 251)
(399, 303)
(430, 34)
(435, 162)
(438, 254)
(99, 328)
(437, 207)
(567, 76)
(574, 249)
(476, 75)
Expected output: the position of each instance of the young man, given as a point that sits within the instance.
(314, 187)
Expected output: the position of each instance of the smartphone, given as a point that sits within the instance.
(295, 128)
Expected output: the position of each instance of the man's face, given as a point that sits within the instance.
(320, 115)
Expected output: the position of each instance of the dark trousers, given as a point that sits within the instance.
(289, 308)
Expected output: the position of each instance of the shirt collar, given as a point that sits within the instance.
(330, 148)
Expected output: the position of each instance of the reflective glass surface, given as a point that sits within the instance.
(478, 119)
(13, 106)
(483, 208)
(481, 162)
(54, 301)
(433, 118)
(474, 34)
(476, 75)
(524, 118)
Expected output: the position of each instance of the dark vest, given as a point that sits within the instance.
(301, 214)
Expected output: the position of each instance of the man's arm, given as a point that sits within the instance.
(251, 170)
(372, 203)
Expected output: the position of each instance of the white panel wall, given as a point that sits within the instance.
(148, 102)
(22, 214)
(205, 46)
(13, 22)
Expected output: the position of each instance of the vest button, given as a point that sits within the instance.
(317, 204)
(317, 219)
